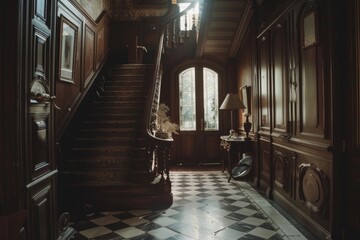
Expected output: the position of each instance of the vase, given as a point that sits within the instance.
(163, 135)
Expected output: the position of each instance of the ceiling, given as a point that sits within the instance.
(223, 26)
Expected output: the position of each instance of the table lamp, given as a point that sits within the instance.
(232, 102)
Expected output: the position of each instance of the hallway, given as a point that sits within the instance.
(205, 206)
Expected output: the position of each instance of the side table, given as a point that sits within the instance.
(235, 146)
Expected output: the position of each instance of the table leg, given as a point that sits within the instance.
(222, 158)
(229, 165)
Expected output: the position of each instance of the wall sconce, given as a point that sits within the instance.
(232, 102)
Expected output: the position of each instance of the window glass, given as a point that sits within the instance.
(187, 103)
(211, 102)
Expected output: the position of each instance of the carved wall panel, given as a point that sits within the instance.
(42, 11)
(282, 171)
(39, 146)
(313, 188)
(280, 77)
(40, 50)
(265, 166)
(312, 111)
(264, 83)
(41, 205)
(100, 45)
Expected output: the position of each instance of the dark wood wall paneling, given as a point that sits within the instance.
(91, 51)
(351, 141)
(291, 91)
(246, 75)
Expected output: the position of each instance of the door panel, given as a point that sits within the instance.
(40, 165)
(39, 141)
(198, 141)
(42, 199)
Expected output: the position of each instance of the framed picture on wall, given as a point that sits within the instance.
(309, 27)
(68, 37)
(245, 95)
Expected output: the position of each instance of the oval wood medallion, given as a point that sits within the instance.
(313, 188)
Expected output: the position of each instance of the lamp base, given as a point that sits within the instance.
(247, 127)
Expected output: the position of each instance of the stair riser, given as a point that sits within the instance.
(114, 175)
(121, 82)
(104, 153)
(132, 71)
(113, 104)
(111, 124)
(102, 143)
(123, 99)
(118, 110)
(91, 164)
(125, 88)
(128, 93)
(114, 132)
(85, 161)
(114, 198)
(114, 117)
(119, 86)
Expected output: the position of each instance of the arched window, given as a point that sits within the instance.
(198, 99)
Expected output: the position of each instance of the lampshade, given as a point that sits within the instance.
(231, 102)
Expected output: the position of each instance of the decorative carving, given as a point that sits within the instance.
(64, 221)
(128, 10)
(313, 188)
(282, 170)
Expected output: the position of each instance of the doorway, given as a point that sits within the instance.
(197, 103)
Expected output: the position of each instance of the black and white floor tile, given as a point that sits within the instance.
(206, 207)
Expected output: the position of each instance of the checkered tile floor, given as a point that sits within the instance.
(206, 206)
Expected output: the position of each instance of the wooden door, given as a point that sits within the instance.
(351, 144)
(41, 170)
(198, 116)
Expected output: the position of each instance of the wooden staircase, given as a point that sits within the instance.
(105, 160)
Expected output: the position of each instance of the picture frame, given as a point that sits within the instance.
(68, 46)
(245, 95)
(309, 27)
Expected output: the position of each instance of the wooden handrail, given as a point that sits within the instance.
(158, 148)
